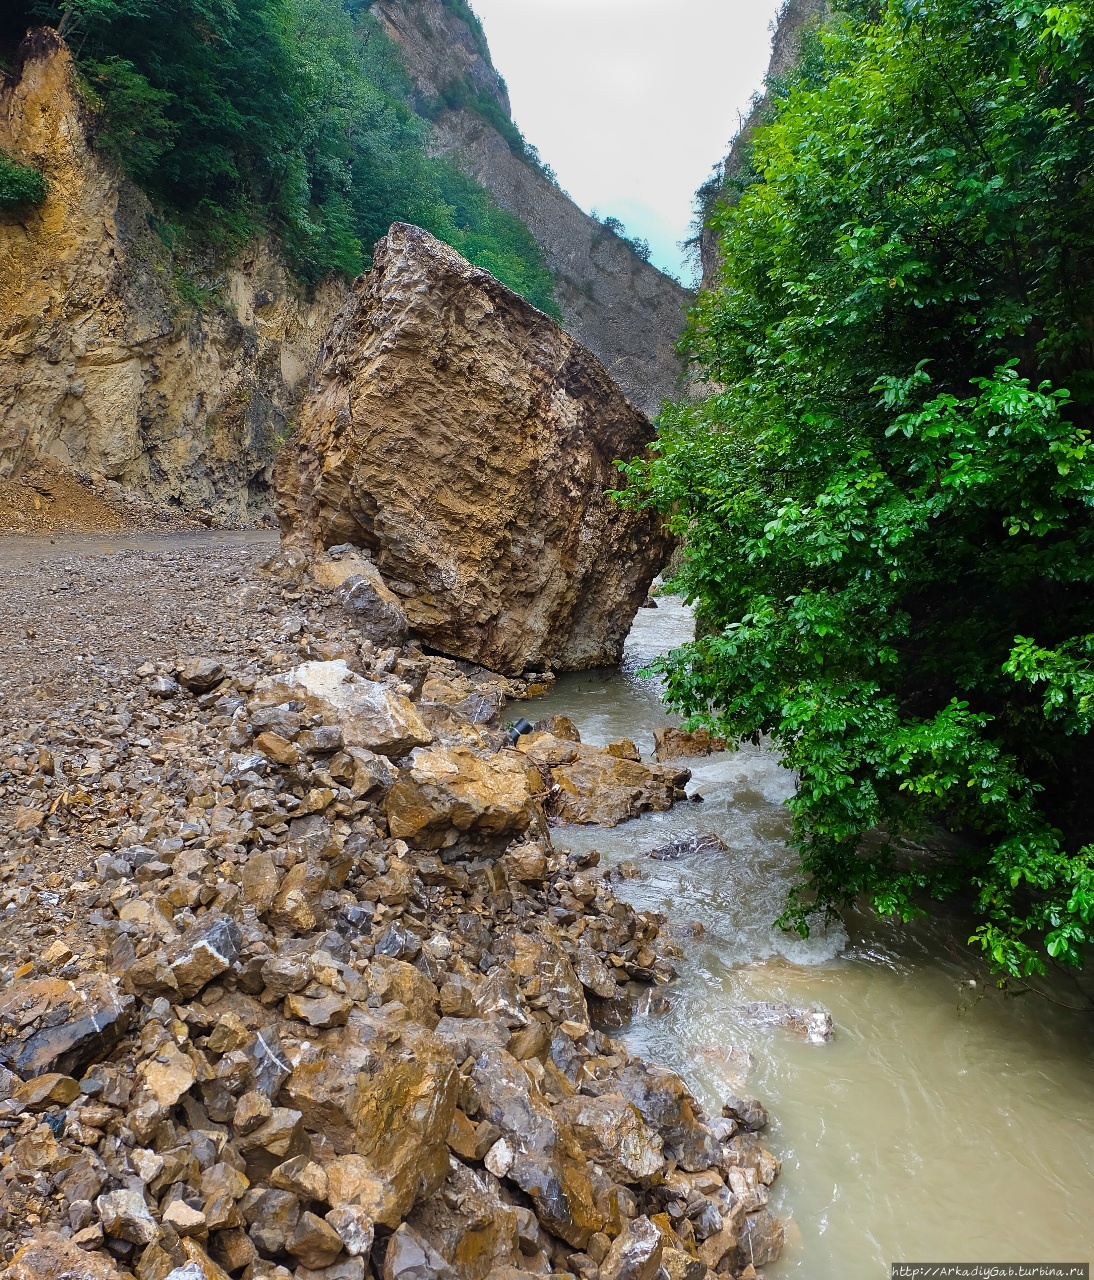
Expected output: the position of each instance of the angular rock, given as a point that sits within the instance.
(376, 608)
(635, 1253)
(613, 1134)
(126, 1216)
(370, 714)
(314, 1243)
(453, 786)
(385, 1092)
(547, 1161)
(664, 1103)
(468, 1225)
(199, 675)
(79, 1022)
(672, 744)
(477, 480)
(599, 787)
(409, 1257)
(203, 953)
(49, 1256)
(813, 1024)
(355, 1229)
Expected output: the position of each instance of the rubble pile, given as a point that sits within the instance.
(296, 984)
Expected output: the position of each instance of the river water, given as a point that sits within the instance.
(944, 1122)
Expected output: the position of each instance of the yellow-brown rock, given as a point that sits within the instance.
(386, 1093)
(453, 786)
(51, 1257)
(101, 368)
(672, 744)
(467, 442)
(601, 786)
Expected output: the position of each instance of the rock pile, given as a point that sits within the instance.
(316, 997)
(464, 440)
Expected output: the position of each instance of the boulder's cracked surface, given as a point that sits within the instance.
(467, 442)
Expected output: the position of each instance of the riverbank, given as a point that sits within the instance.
(295, 982)
(946, 1118)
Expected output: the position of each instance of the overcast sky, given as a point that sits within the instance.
(631, 102)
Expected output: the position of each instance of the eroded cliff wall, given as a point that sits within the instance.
(101, 367)
(795, 18)
(624, 310)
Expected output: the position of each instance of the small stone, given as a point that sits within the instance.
(169, 1076)
(185, 1220)
(314, 1242)
(56, 954)
(302, 1176)
(47, 1091)
(355, 1229)
(635, 1253)
(410, 1257)
(278, 749)
(322, 1012)
(89, 1238)
(199, 675)
(125, 1216)
(499, 1159)
(252, 1110)
(749, 1113)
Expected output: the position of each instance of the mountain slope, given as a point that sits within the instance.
(624, 310)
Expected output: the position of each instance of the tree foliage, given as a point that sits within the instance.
(20, 184)
(888, 494)
(294, 116)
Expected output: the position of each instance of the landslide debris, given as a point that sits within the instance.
(248, 1030)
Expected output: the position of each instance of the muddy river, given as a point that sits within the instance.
(944, 1121)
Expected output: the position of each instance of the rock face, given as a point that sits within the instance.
(620, 307)
(467, 442)
(795, 18)
(101, 366)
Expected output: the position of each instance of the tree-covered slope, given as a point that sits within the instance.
(889, 499)
(290, 116)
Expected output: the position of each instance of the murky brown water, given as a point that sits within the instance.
(943, 1122)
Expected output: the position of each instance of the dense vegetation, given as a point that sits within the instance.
(238, 116)
(888, 495)
(19, 184)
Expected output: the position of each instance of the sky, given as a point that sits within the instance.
(632, 102)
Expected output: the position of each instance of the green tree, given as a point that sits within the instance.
(887, 495)
(294, 117)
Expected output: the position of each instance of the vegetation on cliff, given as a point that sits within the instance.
(20, 184)
(292, 116)
(888, 497)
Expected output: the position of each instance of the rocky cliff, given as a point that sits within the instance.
(625, 311)
(101, 365)
(466, 441)
(795, 18)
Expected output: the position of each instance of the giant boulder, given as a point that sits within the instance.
(461, 437)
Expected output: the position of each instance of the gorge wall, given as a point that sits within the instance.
(101, 365)
(795, 18)
(624, 310)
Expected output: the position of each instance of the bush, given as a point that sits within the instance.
(19, 184)
(888, 497)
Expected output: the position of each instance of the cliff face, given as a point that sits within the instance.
(100, 368)
(625, 311)
(795, 18)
